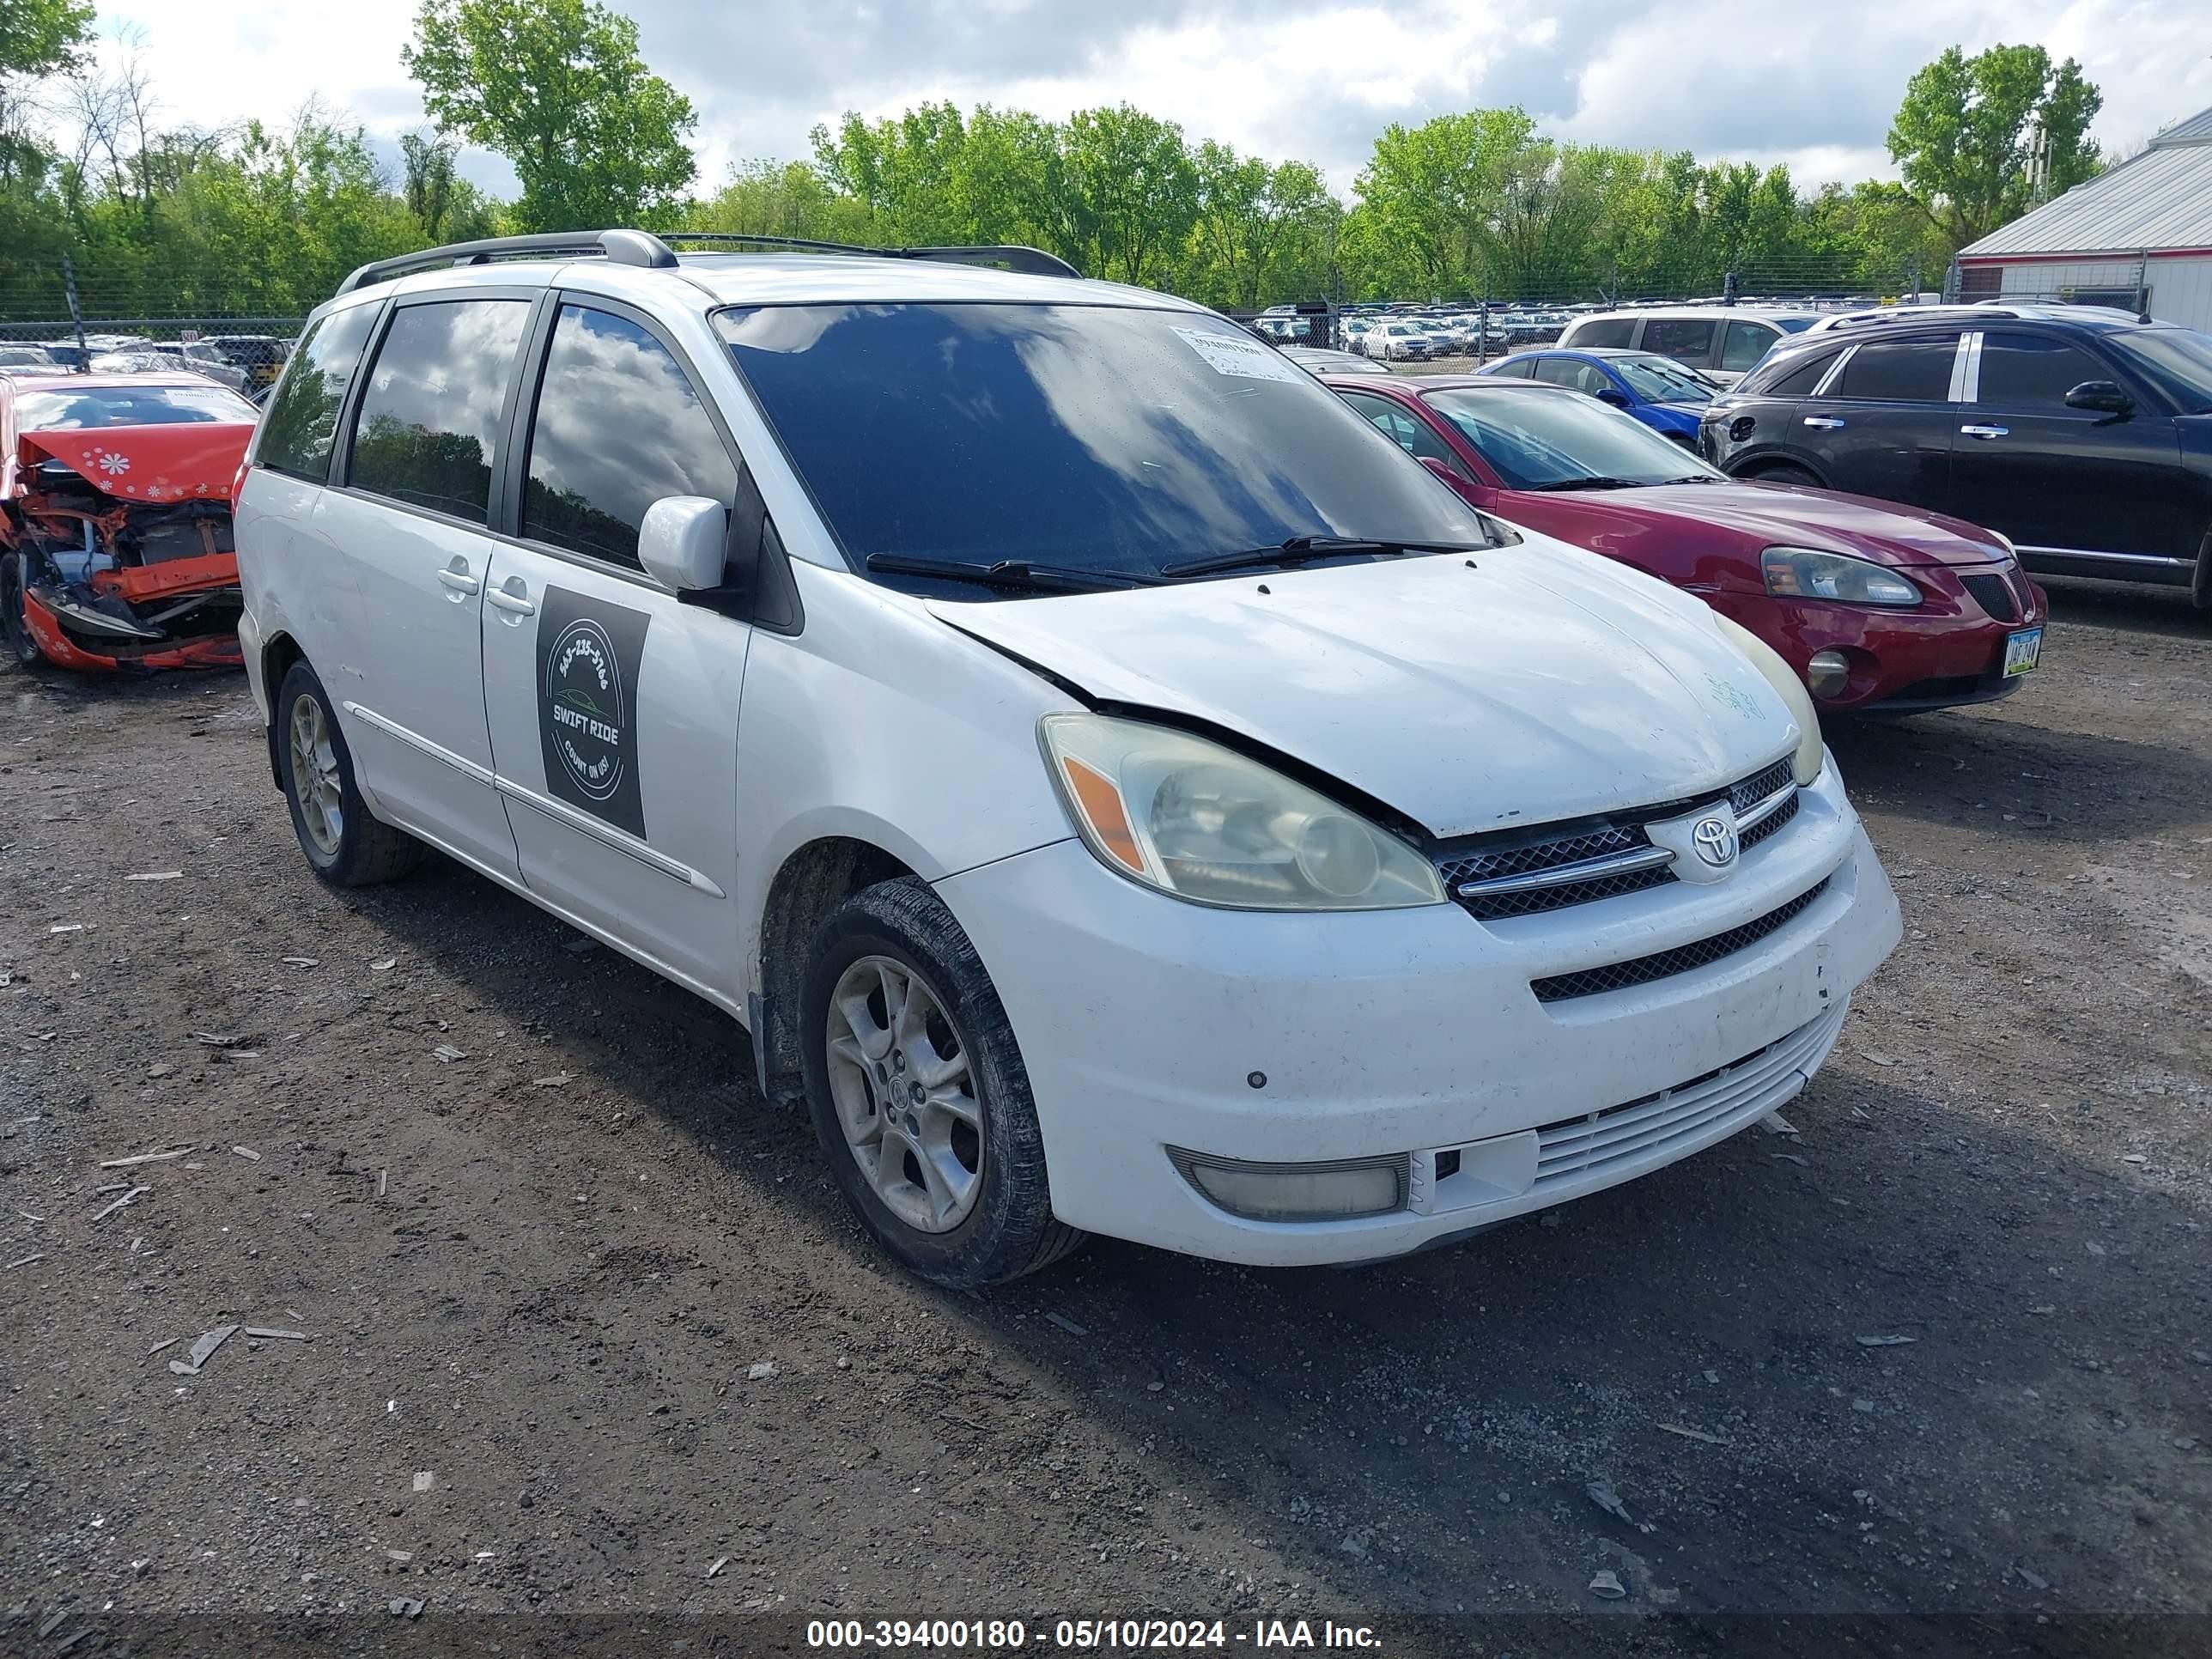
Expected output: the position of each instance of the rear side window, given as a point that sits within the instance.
(1900, 371)
(429, 419)
(2033, 371)
(618, 428)
(302, 417)
(1745, 343)
(1602, 331)
(1690, 338)
(1515, 368)
(1796, 382)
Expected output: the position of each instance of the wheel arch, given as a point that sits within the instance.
(812, 881)
(278, 652)
(1751, 468)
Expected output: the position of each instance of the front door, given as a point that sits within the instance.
(2051, 477)
(408, 525)
(613, 705)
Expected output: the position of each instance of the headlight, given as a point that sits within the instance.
(1803, 573)
(1203, 822)
(1811, 753)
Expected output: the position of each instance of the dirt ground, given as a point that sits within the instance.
(1945, 1351)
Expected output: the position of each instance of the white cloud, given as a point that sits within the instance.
(1303, 78)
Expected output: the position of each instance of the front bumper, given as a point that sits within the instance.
(1143, 1021)
(1941, 654)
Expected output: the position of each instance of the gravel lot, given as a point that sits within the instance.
(1945, 1351)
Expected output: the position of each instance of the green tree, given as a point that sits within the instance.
(1256, 228)
(1432, 193)
(1968, 129)
(557, 88)
(1125, 192)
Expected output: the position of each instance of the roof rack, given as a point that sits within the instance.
(1033, 261)
(651, 253)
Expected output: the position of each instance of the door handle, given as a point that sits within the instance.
(456, 576)
(513, 595)
(1825, 422)
(1982, 431)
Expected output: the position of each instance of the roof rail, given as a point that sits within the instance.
(628, 247)
(1034, 261)
(642, 248)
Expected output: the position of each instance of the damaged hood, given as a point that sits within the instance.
(1545, 684)
(179, 460)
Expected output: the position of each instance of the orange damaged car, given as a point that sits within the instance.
(115, 537)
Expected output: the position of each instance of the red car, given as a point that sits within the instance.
(1882, 608)
(115, 543)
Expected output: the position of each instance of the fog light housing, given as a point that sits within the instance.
(1336, 1190)
(1828, 673)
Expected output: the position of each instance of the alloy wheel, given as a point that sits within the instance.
(315, 775)
(905, 1094)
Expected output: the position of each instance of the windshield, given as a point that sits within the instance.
(2178, 360)
(1537, 440)
(1091, 438)
(1662, 381)
(129, 405)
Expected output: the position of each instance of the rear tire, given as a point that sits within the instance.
(344, 844)
(919, 1096)
(1787, 475)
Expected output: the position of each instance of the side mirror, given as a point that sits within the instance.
(1613, 395)
(682, 541)
(2103, 396)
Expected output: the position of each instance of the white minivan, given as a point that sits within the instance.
(1118, 789)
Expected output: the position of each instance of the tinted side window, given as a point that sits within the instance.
(1565, 371)
(303, 416)
(1900, 371)
(2033, 371)
(618, 428)
(1604, 331)
(1690, 338)
(1745, 343)
(1412, 436)
(1797, 382)
(429, 419)
(1515, 368)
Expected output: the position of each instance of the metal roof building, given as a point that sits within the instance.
(2139, 234)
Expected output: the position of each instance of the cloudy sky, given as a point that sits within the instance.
(1814, 86)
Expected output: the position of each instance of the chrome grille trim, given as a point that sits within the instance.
(1577, 863)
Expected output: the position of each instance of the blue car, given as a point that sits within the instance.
(1657, 390)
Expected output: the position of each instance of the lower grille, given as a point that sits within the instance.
(1993, 594)
(1663, 964)
(1745, 1089)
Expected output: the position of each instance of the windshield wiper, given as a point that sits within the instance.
(1307, 550)
(1694, 478)
(1598, 482)
(1018, 573)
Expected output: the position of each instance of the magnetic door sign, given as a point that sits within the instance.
(588, 653)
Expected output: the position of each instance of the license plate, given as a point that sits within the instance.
(2021, 650)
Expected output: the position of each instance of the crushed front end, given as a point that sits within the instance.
(120, 545)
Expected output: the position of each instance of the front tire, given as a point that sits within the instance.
(15, 638)
(1797, 476)
(344, 844)
(919, 1096)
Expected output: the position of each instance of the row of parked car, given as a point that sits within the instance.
(248, 363)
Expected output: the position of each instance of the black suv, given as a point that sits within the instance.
(2084, 436)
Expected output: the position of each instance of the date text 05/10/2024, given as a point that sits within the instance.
(1085, 1635)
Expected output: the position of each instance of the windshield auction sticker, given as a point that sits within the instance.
(1233, 354)
(588, 653)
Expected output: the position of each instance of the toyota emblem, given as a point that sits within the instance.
(1715, 840)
